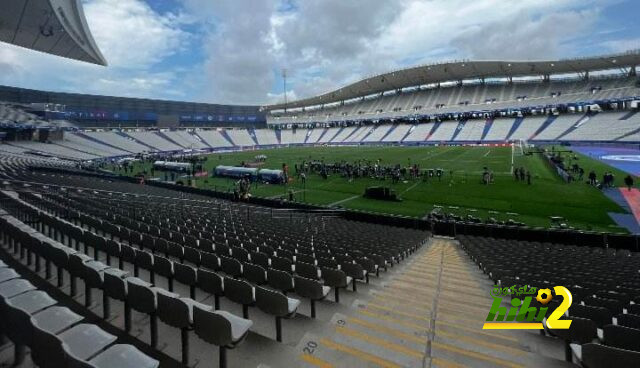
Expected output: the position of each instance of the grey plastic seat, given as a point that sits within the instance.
(356, 272)
(123, 356)
(210, 260)
(93, 279)
(144, 260)
(186, 275)
(336, 279)
(142, 297)
(46, 325)
(164, 267)
(212, 283)
(231, 266)
(254, 273)
(84, 341)
(220, 328)
(276, 304)
(628, 320)
(582, 331)
(17, 312)
(311, 289)
(178, 312)
(240, 292)
(13, 287)
(114, 286)
(307, 270)
(280, 280)
(600, 356)
(7, 274)
(621, 337)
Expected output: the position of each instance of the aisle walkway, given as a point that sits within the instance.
(430, 314)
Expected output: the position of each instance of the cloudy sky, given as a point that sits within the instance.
(234, 51)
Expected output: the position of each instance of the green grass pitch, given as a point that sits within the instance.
(460, 191)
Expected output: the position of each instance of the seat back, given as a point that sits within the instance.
(231, 266)
(308, 288)
(185, 274)
(582, 331)
(307, 270)
(334, 278)
(272, 302)
(172, 310)
(354, 270)
(622, 337)
(238, 291)
(140, 296)
(254, 273)
(210, 282)
(47, 349)
(600, 356)
(280, 280)
(114, 286)
(628, 320)
(211, 327)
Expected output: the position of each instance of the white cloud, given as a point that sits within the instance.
(133, 38)
(232, 51)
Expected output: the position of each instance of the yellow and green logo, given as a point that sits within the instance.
(521, 310)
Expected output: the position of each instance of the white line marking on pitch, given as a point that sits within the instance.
(487, 154)
(343, 200)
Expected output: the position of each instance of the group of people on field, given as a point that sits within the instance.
(522, 174)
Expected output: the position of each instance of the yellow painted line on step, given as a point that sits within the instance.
(473, 330)
(359, 354)
(400, 303)
(387, 330)
(472, 354)
(421, 307)
(483, 343)
(393, 320)
(439, 362)
(400, 313)
(379, 342)
(315, 361)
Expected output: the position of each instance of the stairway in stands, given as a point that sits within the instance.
(416, 319)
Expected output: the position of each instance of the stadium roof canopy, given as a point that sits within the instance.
(56, 27)
(464, 70)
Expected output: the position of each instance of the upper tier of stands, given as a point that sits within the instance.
(464, 98)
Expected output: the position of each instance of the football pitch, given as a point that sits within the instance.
(460, 190)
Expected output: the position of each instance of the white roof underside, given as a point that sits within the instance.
(56, 27)
(464, 70)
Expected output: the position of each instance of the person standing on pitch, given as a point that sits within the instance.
(628, 181)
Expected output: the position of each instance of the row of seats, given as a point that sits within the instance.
(56, 336)
(604, 283)
(214, 326)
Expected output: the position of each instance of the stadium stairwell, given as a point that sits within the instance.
(429, 314)
(487, 127)
(433, 129)
(204, 141)
(371, 130)
(279, 136)
(395, 125)
(408, 132)
(225, 135)
(629, 115)
(81, 134)
(583, 120)
(166, 137)
(355, 131)
(135, 140)
(252, 134)
(459, 128)
(514, 127)
(544, 126)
